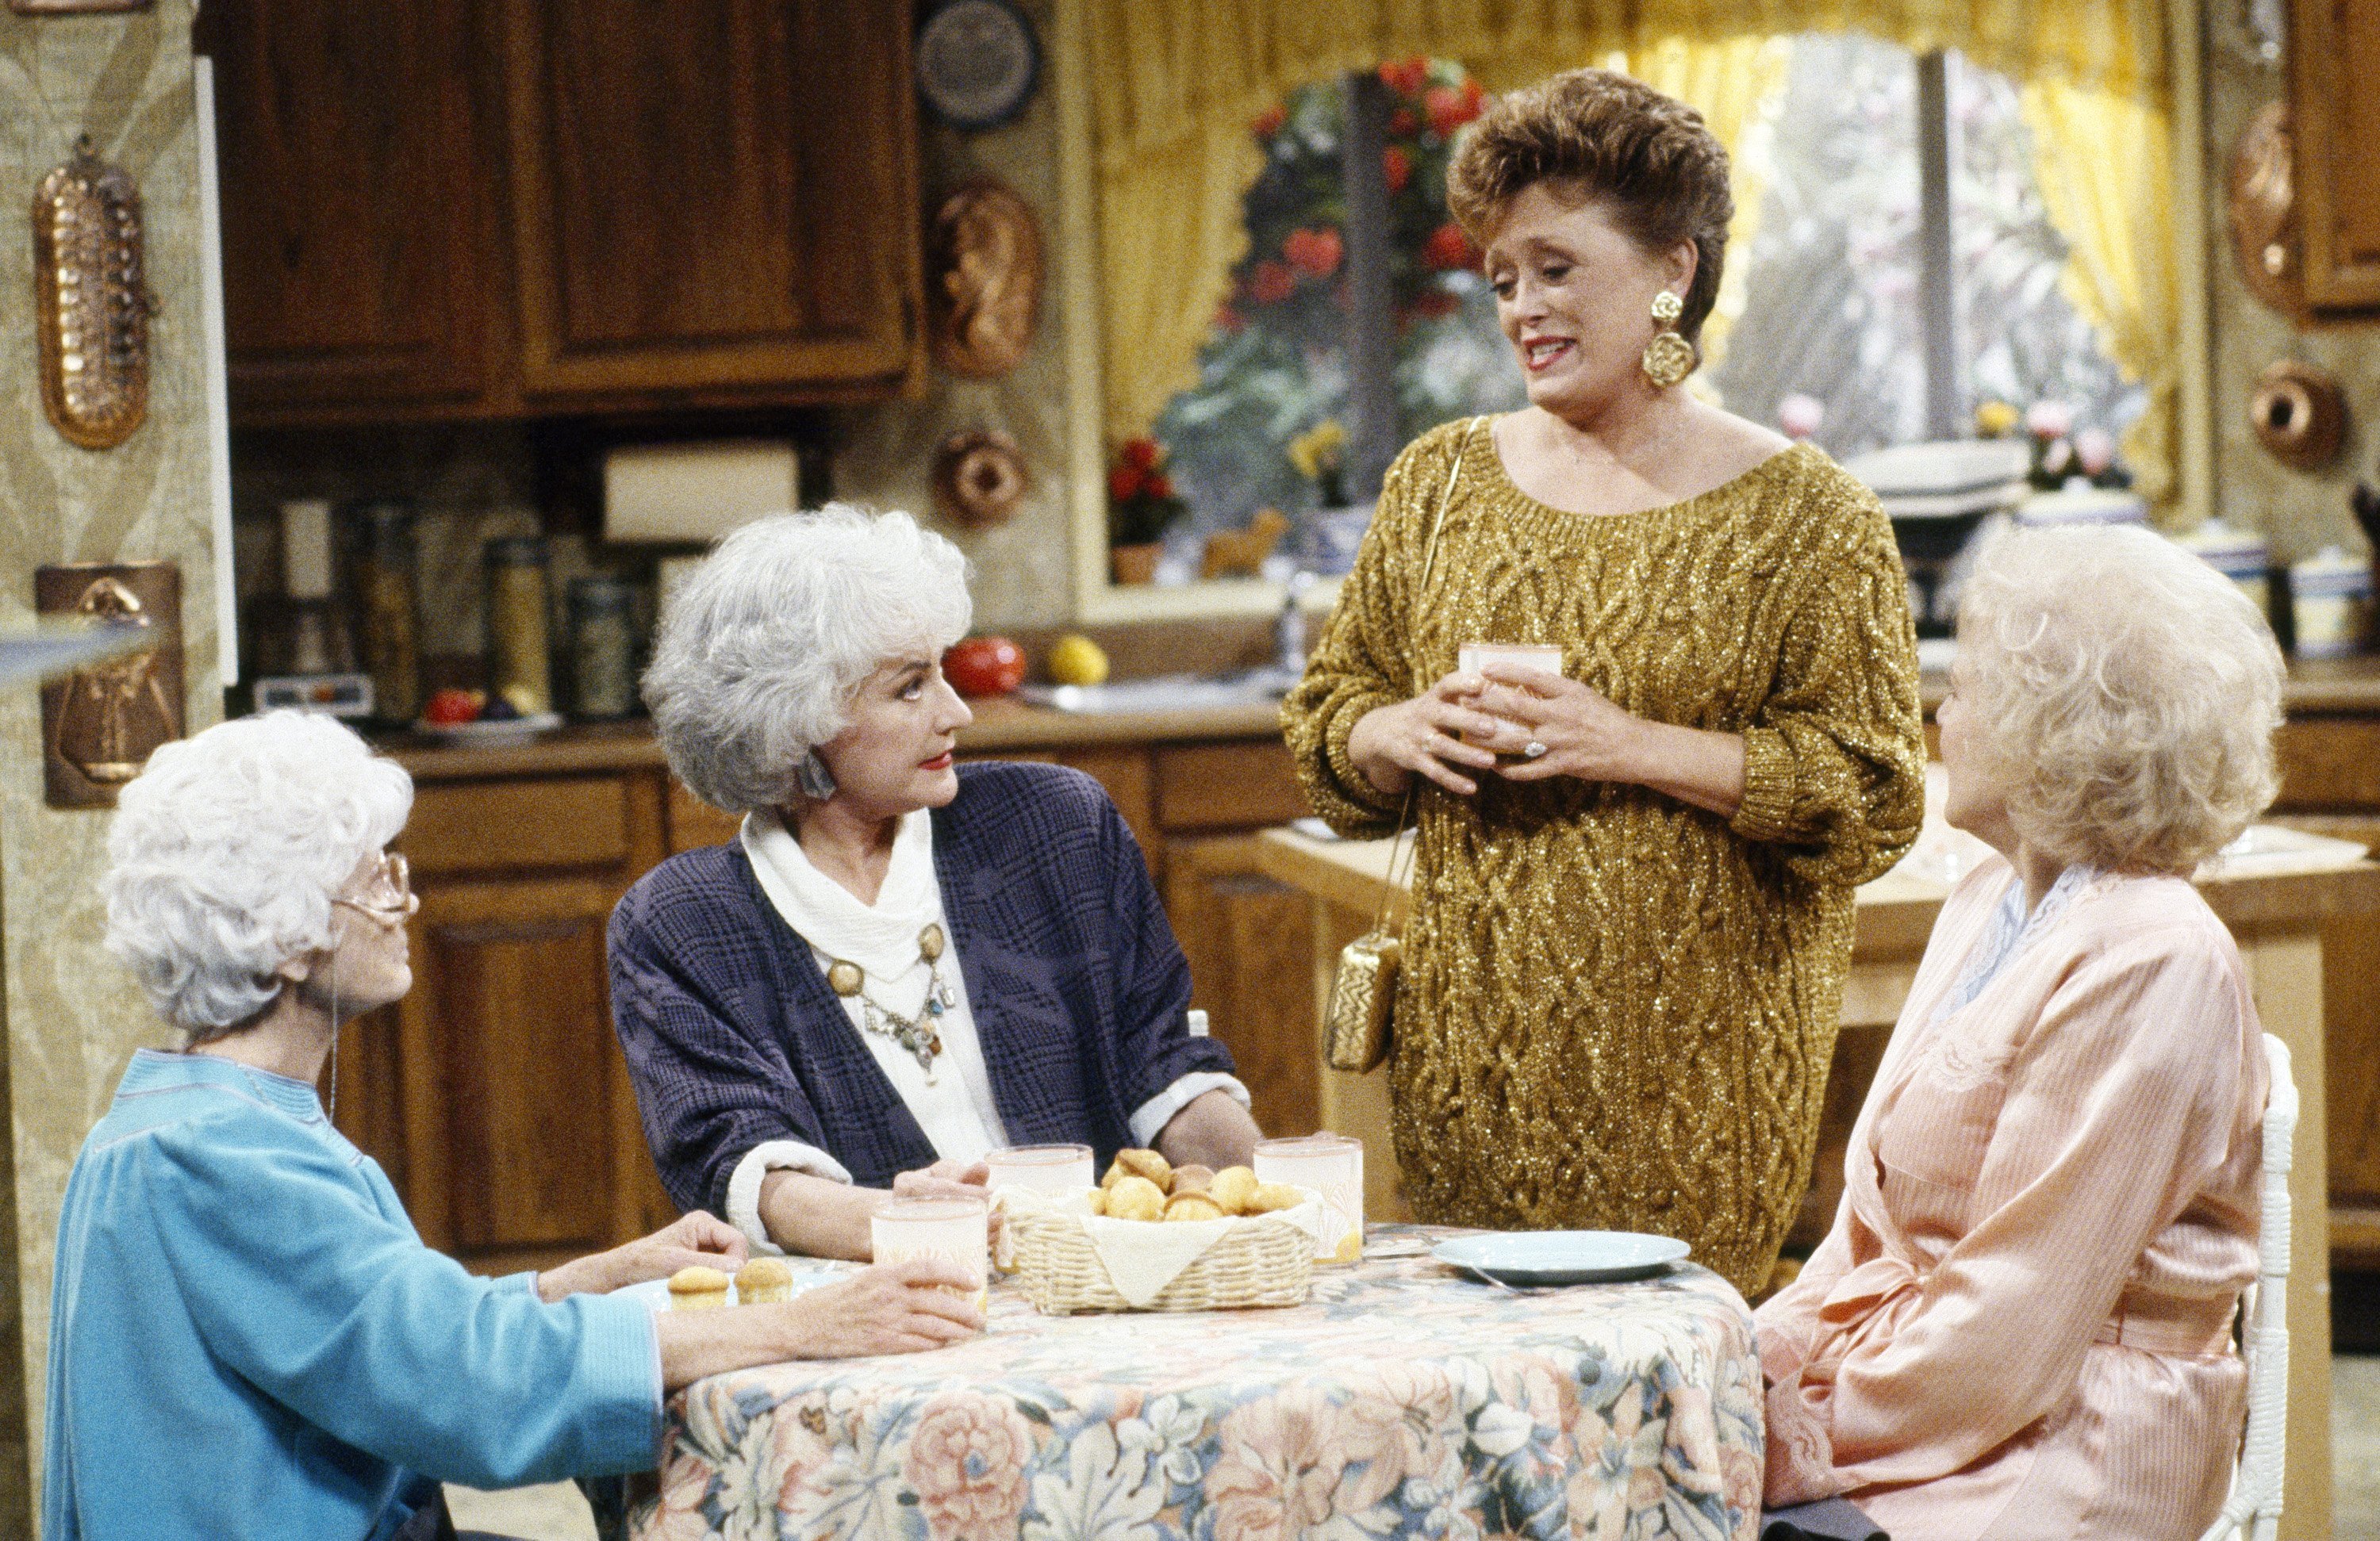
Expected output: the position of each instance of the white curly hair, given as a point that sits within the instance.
(757, 657)
(2128, 692)
(225, 851)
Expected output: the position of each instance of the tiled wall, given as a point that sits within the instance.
(73, 1015)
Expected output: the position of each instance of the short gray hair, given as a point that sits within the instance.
(224, 855)
(2130, 691)
(757, 657)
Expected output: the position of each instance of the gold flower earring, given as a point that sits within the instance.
(1668, 358)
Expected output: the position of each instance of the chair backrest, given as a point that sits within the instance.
(2255, 1506)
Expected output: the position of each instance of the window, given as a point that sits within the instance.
(1835, 299)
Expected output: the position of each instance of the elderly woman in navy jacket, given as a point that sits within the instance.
(899, 964)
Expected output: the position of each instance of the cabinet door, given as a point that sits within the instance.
(522, 1143)
(713, 199)
(354, 212)
(2334, 60)
(1250, 943)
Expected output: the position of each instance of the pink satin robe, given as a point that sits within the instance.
(2018, 1325)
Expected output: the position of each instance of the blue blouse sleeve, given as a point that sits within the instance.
(336, 1311)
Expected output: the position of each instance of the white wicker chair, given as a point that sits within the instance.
(2255, 1508)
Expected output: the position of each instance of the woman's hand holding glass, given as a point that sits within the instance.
(1558, 727)
(1427, 736)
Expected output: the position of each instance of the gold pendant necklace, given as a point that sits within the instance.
(920, 1034)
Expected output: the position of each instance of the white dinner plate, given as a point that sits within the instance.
(496, 730)
(1562, 1257)
(655, 1293)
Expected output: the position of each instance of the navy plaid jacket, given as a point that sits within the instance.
(1077, 984)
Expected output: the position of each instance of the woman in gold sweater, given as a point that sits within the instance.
(1634, 894)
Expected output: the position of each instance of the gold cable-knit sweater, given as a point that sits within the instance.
(1616, 1010)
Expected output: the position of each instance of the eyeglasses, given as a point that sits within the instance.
(388, 895)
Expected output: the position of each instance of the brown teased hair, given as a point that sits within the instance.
(1607, 139)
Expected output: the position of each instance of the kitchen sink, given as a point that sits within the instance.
(1167, 692)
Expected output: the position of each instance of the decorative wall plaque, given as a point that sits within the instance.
(978, 61)
(92, 301)
(986, 261)
(2261, 209)
(980, 478)
(2299, 414)
(100, 724)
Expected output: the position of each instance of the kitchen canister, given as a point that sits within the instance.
(2330, 599)
(2239, 554)
(385, 566)
(518, 668)
(602, 647)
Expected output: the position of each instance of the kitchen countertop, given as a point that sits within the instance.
(2317, 687)
(1000, 725)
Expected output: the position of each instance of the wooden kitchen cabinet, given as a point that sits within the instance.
(713, 195)
(521, 1145)
(360, 249)
(2334, 58)
(2330, 784)
(503, 208)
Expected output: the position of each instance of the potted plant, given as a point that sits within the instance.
(1142, 505)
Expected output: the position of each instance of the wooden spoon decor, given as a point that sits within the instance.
(2261, 210)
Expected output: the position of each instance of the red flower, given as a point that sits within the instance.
(1397, 166)
(1159, 486)
(1403, 124)
(1268, 123)
(1270, 282)
(1405, 75)
(1123, 485)
(1450, 109)
(1229, 320)
(1447, 249)
(1315, 250)
(1142, 453)
(1435, 303)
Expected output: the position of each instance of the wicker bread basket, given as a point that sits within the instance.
(1263, 1260)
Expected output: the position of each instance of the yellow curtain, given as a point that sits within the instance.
(1175, 84)
(2101, 160)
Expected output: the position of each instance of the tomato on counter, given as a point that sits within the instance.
(984, 666)
(450, 706)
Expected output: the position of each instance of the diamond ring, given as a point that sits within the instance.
(1533, 750)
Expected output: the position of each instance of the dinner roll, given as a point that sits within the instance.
(763, 1280)
(697, 1289)
(1192, 1207)
(1192, 1179)
(1231, 1189)
(1135, 1198)
(1270, 1196)
(1140, 1163)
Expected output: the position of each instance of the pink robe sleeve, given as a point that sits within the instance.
(2120, 1104)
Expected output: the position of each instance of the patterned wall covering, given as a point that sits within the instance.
(2298, 512)
(72, 1015)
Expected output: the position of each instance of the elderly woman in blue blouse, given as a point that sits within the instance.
(246, 1337)
(900, 965)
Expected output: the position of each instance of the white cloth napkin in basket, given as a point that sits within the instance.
(1143, 1257)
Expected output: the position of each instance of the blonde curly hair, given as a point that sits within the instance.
(2128, 691)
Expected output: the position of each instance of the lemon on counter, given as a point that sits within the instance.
(1077, 660)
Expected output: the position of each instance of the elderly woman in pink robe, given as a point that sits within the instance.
(2020, 1324)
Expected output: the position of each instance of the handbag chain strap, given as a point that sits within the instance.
(1409, 850)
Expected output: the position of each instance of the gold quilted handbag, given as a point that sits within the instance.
(1364, 989)
(1362, 998)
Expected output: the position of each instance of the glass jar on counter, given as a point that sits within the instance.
(602, 647)
(518, 668)
(387, 563)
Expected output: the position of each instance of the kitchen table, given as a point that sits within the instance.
(1403, 1398)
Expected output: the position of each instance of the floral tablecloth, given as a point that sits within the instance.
(1402, 1400)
